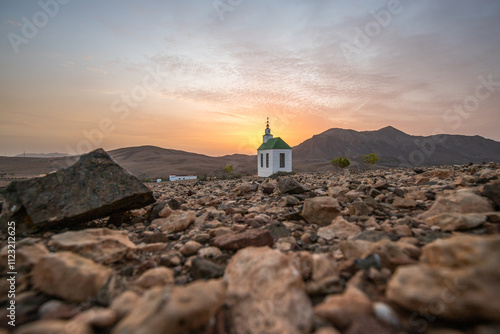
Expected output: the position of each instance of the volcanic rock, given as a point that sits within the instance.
(278, 230)
(265, 293)
(94, 187)
(404, 203)
(287, 185)
(353, 249)
(205, 269)
(99, 244)
(342, 309)
(190, 248)
(359, 209)
(69, 276)
(324, 276)
(339, 228)
(337, 191)
(177, 221)
(457, 221)
(492, 191)
(321, 210)
(458, 202)
(27, 254)
(455, 280)
(288, 201)
(124, 303)
(174, 310)
(55, 327)
(159, 276)
(253, 237)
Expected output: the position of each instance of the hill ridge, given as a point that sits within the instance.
(394, 147)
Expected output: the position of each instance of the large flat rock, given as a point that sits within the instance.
(174, 310)
(456, 279)
(93, 187)
(266, 293)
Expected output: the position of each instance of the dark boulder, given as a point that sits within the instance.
(288, 185)
(94, 187)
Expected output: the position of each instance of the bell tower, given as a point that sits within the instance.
(267, 134)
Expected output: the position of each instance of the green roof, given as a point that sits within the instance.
(275, 144)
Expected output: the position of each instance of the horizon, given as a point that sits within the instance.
(203, 76)
(216, 156)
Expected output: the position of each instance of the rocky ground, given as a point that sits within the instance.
(383, 251)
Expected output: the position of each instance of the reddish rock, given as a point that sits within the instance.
(392, 254)
(55, 327)
(177, 221)
(190, 248)
(339, 228)
(367, 324)
(404, 203)
(124, 303)
(155, 276)
(303, 262)
(174, 310)
(266, 294)
(69, 276)
(99, 244)
(442, 173)
(458, 202)
(359, 209)
(254, 237)
(97, 317)
(457, 221)
(321, 210)
(342, 309)
(353, 249)
(455, 280)
(27, 254)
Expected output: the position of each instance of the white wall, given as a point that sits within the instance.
(274, 162)
(183, 177)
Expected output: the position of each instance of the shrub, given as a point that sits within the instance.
(228, 169)
(371, 158)
(341, 162)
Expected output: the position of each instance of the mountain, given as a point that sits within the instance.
(396, 148)
(41, 155)
(153, 161)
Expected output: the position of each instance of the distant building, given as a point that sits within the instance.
(182, 177)
(274, 155)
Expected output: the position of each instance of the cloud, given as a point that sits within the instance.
(225, 114)
(67, 64)
(291, 61)
(88, 57)
(97, 70)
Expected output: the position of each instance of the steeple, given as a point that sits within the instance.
(267, 132)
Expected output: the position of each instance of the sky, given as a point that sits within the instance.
(204, 75)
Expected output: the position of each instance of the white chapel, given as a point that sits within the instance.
(274, 155)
